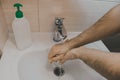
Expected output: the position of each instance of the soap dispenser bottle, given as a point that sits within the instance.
(21, 29)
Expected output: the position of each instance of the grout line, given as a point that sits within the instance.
(38, 15)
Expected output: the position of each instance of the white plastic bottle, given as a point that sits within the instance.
(21, 29)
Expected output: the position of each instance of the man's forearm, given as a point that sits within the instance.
(106, 26)
(107, 64)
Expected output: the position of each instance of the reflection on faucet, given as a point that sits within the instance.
(60, 32)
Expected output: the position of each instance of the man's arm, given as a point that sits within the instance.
(107, 64)
(108, 25)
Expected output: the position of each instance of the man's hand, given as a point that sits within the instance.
(74, 54)
(58, 51)
(61, 53)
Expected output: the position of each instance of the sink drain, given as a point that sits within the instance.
(59, 71)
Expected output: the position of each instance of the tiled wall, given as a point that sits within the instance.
(3, 30)
(78, 14)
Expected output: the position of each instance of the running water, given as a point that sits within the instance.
(58, 71)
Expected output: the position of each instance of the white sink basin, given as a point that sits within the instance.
(32, 63)
(35, 66)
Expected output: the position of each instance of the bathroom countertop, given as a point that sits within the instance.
(11, 55)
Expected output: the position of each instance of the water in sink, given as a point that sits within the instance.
(35, 66)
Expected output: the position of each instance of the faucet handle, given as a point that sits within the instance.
(59, 21)
(60, 31)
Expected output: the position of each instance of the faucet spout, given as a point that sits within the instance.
(60, 32)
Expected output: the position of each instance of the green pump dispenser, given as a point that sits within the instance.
(19, 13)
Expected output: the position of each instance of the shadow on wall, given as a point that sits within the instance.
(113, 43)
(0, 54)
(3, 29)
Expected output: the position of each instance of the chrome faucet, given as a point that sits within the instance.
(60, 32)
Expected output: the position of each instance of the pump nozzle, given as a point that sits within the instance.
(19, 13)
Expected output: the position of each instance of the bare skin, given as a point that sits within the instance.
(106, 64)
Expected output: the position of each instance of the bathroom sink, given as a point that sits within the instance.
(35, 66)
(32, 63)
